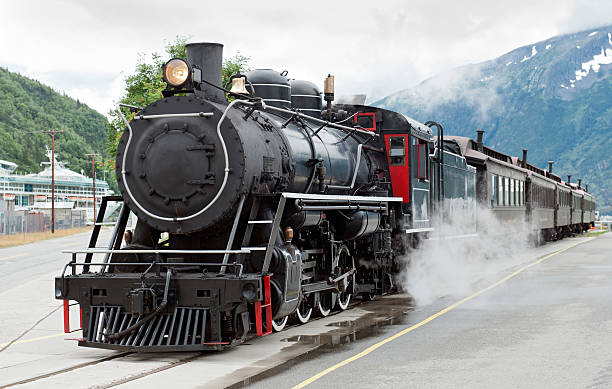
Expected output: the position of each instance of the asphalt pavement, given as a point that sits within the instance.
(35, 353)
(540, 323)
(26, 282)
(549, 325)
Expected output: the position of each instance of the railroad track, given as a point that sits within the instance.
(119, 381)
(66, 370)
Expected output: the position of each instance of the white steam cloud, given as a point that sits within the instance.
(474, 86)
(465, 249)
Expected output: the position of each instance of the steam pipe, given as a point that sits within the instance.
(579, 182)
(146, 319)
(524, 161)
(550, 164)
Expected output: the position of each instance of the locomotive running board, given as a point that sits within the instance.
(415, 230)
(318, 199)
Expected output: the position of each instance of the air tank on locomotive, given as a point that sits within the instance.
(306, 98)
(272, 86)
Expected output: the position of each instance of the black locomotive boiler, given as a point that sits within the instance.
(255, 205)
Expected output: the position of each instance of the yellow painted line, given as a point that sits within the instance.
(430, 318)
(36, 339)
(14, 256)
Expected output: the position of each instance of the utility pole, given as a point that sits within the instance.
(52, 133)
(93, 170)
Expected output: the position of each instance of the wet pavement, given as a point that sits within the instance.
(548, 326)
(40, 355)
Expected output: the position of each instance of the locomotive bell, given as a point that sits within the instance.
(238, 86)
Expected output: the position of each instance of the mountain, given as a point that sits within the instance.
(552, 97)
(28, 107)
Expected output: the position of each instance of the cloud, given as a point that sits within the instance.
(372, 47)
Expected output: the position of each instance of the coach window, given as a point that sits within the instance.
(552, 198)
(522, 192)
(516, 192)
(397, 151)
(506, 191)
(500, 190)
(493, 189)
(422, 159)
(512, 202)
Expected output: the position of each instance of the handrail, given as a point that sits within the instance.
(154, 251)
(325, 123)
(104, 265)
(357, 163)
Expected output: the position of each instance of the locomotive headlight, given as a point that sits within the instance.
(176, 72)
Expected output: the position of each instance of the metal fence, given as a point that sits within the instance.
(25, 221)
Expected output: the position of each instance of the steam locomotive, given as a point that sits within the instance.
(258, 205)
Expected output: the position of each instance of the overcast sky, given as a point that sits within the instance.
(85, 48)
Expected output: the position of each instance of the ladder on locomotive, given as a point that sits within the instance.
(252, 221)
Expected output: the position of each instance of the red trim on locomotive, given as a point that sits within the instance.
(399, 167)
(67, 329)
(66, 317)
(372, 114)
(265, 307)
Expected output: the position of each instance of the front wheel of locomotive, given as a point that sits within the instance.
(326, 302)
(279, 324)
(304, 309)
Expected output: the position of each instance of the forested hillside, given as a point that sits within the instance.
(552, 97)
(28, 107)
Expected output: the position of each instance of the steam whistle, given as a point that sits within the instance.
(328, 89)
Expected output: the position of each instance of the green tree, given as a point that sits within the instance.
(27, 107)
(146, 84)
(236, 64)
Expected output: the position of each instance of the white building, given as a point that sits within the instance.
(72, 190)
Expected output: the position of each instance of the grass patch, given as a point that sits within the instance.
(19, 239)
(596, 233)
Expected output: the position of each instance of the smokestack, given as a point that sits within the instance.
(524, 161)
(586, 187)
(550, 163)
(479, 134)
(209, 58)
(569, 179)
(579, 182)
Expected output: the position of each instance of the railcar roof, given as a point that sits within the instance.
(450, 145)
(469, 149)
(392, 119)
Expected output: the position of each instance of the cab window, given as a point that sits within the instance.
(397, 151)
